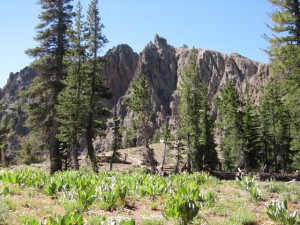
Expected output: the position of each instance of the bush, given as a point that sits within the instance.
(278, 212)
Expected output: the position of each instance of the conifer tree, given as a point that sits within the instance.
(275, 128)
(94, 87)
(52, 45)
(284, 52)
(117, 141)
(140, 103)
(230, 126)
(250, 136)
(207, 135)
(166, 133)
(195, 124)
(6, 133)
(189, 109)
(70, 108)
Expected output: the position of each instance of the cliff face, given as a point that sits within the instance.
(163, 65)
(10, 100)
(121, 64)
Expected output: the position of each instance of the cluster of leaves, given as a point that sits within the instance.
(110, 191)
(278, 212)
(250, 185)
(185, 203)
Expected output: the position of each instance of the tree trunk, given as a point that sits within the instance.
(114, 151)
(55, 153)
(188, 159)
(90, 146)
(267, 167)
(74, 155)
(164, 155)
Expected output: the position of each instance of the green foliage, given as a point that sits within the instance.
(94, 86)
(249, 184)
(156, 136)
(152, 221)
(117, 141)
(71, 98)
(119, 221)
(3, 208)
(67, 219)
(5, 191)
(278, 212)
(6, 133)
(28, 220)
(182, 205)
(113, 198)
(284, 52)
(33, 149)
(275, 128)
(78, 190)
(230, 124)
(52, 40)
(140, 103)
(195, 123)
(250, 135)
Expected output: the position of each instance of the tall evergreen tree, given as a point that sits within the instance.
(207, 135)
(250, 136)
(284, 52)
(166, 134)
(140, 103)
(196, 124)
(229, 112)
(190, 106)
(275, 128)
(117, 141)
(94, 88)
(72, 119)
(6, 133)
(52, 45)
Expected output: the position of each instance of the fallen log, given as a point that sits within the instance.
(277, 176)
(225, 175)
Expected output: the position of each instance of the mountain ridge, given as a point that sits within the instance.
(163, 65)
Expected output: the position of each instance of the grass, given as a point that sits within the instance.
(232, 204)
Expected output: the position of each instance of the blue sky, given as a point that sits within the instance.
(226, 26)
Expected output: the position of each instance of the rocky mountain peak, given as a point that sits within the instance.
(163, 66)
(160, 42)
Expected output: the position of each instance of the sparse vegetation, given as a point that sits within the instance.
(137, 198)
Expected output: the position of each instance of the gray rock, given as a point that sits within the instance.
(163, 65)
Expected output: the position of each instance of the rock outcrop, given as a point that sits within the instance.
(121, 65)
(163, 65)
(10, 100)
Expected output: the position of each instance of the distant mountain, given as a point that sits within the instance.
(163, 65)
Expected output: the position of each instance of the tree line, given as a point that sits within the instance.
(65, 107)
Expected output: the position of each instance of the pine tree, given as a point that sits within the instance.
(190, 106)
(229, 125)
(284, 52)
(94, 87)
(72, 119)
(207, 136)
(140, 103)
(52, 45)
(250, 137)
(275, 128)
(6, 133)
(166, 133)
(117, 141)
